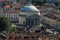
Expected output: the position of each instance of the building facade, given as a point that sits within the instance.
(29, 16)
(13, 16)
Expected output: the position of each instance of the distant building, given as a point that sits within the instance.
(51, 20)
(16, 6)
(13, 15)
(2, 14)
(2, 3)
(50, 15)
(48, 8)
(53, 0)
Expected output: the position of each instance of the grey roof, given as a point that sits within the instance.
(29, 8)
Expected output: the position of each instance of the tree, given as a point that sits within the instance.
(56, 3)
(4, 24)
(13, 29)
(38, 2)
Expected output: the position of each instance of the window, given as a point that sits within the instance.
(24, 22)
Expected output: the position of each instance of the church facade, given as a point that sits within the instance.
(29, 16)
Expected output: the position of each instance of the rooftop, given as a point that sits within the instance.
(29, 8)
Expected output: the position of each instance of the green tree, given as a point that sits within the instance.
(4, 24)
(13, 29)
(38, 2)
(56, 3)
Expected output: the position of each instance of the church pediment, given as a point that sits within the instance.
(33, 16)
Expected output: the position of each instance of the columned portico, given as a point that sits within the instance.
(32, 21)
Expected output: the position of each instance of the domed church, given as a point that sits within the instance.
(29, 16)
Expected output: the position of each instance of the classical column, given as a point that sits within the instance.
(29, 21)
(37, 21)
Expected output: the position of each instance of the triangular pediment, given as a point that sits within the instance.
(33, 16)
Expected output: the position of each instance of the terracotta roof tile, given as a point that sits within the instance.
(7, 6)
(12, 11)
(1, 0)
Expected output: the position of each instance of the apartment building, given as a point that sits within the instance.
(48, 8)
(13, 15)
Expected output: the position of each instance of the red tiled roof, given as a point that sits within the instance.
(7, 6)
(1, 0)
(40, 38)
(12, 11)
(7, 0)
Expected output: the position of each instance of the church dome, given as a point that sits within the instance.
(29, 8)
